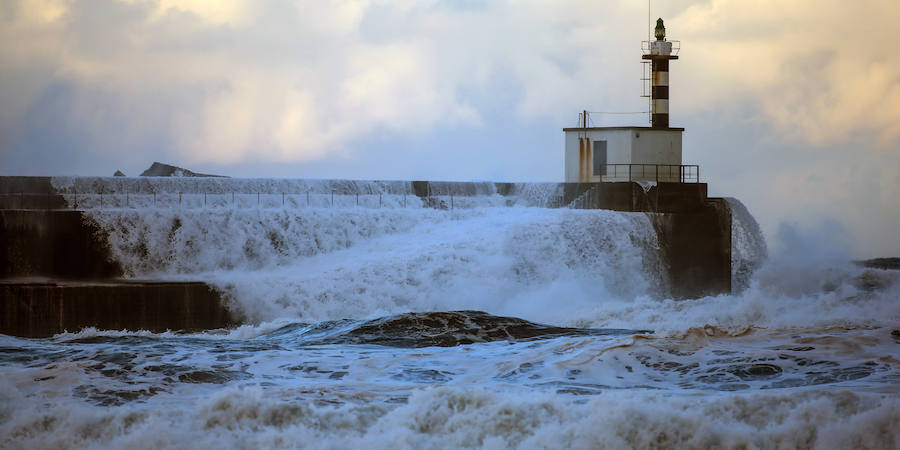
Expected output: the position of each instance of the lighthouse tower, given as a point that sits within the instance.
(632, 153)
(659, 52)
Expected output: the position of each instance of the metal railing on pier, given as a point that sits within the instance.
(667, 173)
(73, 200)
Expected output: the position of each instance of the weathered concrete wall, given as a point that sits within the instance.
(696, 248)
(29, 193)
(630, 196)
(676, 197)
(67, 246)
(623, 196)
(15, 185)
(62, 244)
(694, 231)
(42, 309)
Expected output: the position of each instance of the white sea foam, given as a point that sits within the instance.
(321, 263)
(253, 193)
(748, 245)
(565, 267)
(466, 418)
(807, 345)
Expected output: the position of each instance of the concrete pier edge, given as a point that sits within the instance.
(43, 308)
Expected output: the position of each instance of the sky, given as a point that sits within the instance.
(793, 107)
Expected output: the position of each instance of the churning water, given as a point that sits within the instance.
(497, 323)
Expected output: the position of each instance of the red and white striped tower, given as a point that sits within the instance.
(659, 52)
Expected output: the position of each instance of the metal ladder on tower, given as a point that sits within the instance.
(646, 87)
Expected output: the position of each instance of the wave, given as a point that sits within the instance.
(466, 418)
(748, 245)
(320, 264)
(565, 267)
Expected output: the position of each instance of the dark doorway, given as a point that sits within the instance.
(599, 158)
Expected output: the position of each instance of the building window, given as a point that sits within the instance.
(599, 162)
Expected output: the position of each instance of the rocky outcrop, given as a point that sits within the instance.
(881, 263)
(159, 169)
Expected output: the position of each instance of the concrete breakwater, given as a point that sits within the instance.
(58, 275)
(56, 239)
(42, 308)
(53, 243)
(694, 231)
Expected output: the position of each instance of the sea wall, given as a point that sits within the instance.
(29, 193)
(696, 248)
(45, 308)
(53, 243)
(694, 231)
(55, 239)
(57, 274)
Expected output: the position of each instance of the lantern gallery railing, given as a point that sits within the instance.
(667, 173)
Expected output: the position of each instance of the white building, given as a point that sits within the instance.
(596, 154)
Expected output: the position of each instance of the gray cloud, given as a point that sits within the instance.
(792, 106)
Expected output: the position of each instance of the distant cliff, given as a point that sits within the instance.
(165, 170)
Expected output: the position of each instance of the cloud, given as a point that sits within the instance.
(298, 81)
(792, 106)
(819, 70)
(235, 12)
(41, 12)
(226, 82)
(806, 100)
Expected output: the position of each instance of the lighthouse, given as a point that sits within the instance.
(633, 153)
(659, 54)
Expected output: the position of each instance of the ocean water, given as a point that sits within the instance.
(498, 323)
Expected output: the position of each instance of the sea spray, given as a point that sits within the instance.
(484, 326)
(322, 263)
(748, 245)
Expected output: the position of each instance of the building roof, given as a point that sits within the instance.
(621, 128)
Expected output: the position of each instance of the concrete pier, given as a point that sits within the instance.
(29, 193)
(59, 274)
(43, 308)
(694, 231)
(696, 248)
(53, 243)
